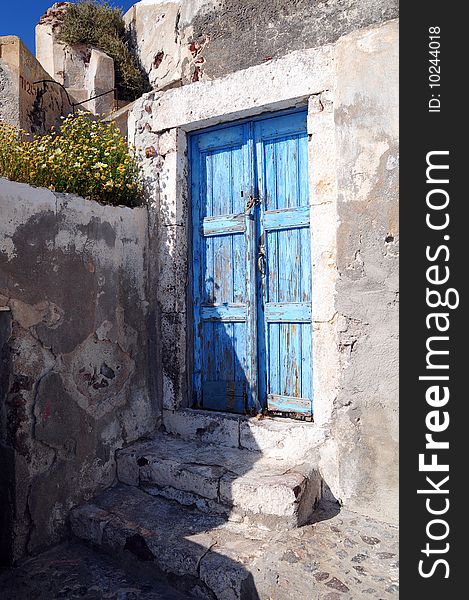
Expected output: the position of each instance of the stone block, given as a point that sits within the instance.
(268, 492)
(259, 492)
(271, 86)
(99, 79)
(209, 427)
(198, 479)
(154, 29)
(280, 438)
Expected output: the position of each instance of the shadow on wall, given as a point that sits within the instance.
(181, 544)
(192, 546)
(7, 474)
(73, 274)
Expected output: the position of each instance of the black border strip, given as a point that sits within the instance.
(428, 127)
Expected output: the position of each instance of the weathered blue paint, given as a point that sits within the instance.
(252, 266)
(286, 218)
(227, 313)
(223, 225)
(288, 312)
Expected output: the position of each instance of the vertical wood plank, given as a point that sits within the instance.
(290, 175)
(239, 268)
(221, 182)
(303, 191)
(305, 283)
(271, 246)
(269, 175)
(207, 351)
(240, 195)
(273, 357)
(223, 274)
(306, 366)
(280, 170)
(209, 274)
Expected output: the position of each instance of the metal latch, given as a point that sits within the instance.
(251, 203)
(261, 262)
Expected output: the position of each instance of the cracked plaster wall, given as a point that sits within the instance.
(183, 41)
(73, 274)
(364, 425)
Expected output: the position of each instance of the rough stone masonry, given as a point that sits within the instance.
(75, 360)
(23, 103)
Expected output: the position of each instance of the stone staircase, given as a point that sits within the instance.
(202, 514)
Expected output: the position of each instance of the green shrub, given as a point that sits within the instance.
(87, 157)
(96, 23)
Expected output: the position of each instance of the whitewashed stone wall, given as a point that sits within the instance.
(76, 366)
(24, 103)
(183, 41)
(84, 71)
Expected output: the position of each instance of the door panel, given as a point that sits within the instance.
(224, 317)
(284, 305)
(252, 267)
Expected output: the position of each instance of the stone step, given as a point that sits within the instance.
(342, 555)
(75, 571)
(203, 555)
(242, 485)
(277, 438)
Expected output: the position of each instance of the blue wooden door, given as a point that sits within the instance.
(251, 263)
(285, 330)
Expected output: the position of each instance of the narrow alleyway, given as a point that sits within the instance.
(343, 557)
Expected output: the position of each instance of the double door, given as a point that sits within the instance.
(251, 267)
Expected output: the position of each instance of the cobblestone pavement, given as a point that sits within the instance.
(341, 557)
(73, 571)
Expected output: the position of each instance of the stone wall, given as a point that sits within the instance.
(183, 41)
(84, 71)
(365, 422)
(23, 103)
(350, 88)
(75, 364)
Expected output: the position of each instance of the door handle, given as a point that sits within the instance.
(261, 262)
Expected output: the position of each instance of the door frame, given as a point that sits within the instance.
(283, 85)
(256, 387)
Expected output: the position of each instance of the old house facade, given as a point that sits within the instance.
(233, 348)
